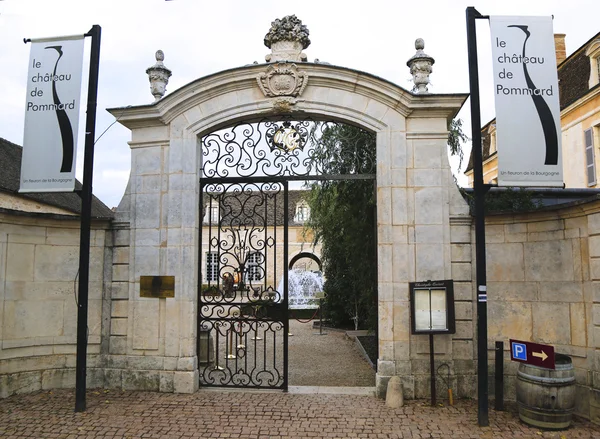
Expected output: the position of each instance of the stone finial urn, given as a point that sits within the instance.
(420, 67)
(159, 76)
(286, 39)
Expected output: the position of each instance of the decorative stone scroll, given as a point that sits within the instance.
(283, 105)
(282, 79)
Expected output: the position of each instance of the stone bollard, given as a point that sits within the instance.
(394, 397)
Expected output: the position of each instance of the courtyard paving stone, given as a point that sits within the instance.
(254, 415)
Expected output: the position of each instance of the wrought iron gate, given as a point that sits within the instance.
(243, 312)
(243, 278)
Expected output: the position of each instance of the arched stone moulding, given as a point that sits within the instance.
(419, 208)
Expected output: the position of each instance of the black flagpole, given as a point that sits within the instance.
(480, 190)
(86, 219)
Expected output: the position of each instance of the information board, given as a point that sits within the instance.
(432, 307)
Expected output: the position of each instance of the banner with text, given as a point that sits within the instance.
(528, 133)
(52, 115)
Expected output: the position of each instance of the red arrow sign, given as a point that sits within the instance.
(536, 354)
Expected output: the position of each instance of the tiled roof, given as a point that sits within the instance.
(253, 206)
(10, 172)
(573, 78)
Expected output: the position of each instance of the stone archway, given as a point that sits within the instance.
(423, 222)
(307, 255)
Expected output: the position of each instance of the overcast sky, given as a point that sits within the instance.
(203, 37)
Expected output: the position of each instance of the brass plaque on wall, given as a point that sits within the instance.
(157, 286)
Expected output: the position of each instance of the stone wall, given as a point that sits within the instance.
(39, 261)
(429, 239)
(543, 276)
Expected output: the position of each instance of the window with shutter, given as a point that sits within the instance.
(589, 157)
(212, 266)
(255, 271)
(212, 214)
(302, 212)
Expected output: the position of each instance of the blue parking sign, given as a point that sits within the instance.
(541, 355)
(519, 351)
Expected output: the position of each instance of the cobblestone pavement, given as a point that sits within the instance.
(230, 414)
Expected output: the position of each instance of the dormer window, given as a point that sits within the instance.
(493, 146)
(302, 212)
(593, 52)
(211, 214)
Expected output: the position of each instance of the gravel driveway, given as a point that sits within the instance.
(326, 360)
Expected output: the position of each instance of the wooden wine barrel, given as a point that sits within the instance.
(546, 397)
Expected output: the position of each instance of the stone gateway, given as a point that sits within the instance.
(540, 265)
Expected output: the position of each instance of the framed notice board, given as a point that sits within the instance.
(432, 307)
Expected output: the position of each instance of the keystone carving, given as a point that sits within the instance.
(282, 79)
(283, 105)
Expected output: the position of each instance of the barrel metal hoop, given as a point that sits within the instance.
(554, 381)
(541, 410)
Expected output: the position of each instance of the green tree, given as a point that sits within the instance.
(343, 220)
(456, 137)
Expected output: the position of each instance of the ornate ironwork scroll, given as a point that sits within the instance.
(242, 315)
(243, 301)
(287, 148)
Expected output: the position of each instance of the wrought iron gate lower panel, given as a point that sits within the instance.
(243, 302)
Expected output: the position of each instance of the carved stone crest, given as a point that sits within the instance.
(282, 79)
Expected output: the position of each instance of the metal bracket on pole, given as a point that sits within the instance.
(480, 190)
(86, 219)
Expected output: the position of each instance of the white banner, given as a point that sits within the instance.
(52, 115)
(528, 133)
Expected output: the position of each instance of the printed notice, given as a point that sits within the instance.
(430, 310)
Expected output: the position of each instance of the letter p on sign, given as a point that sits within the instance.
(519, 351)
